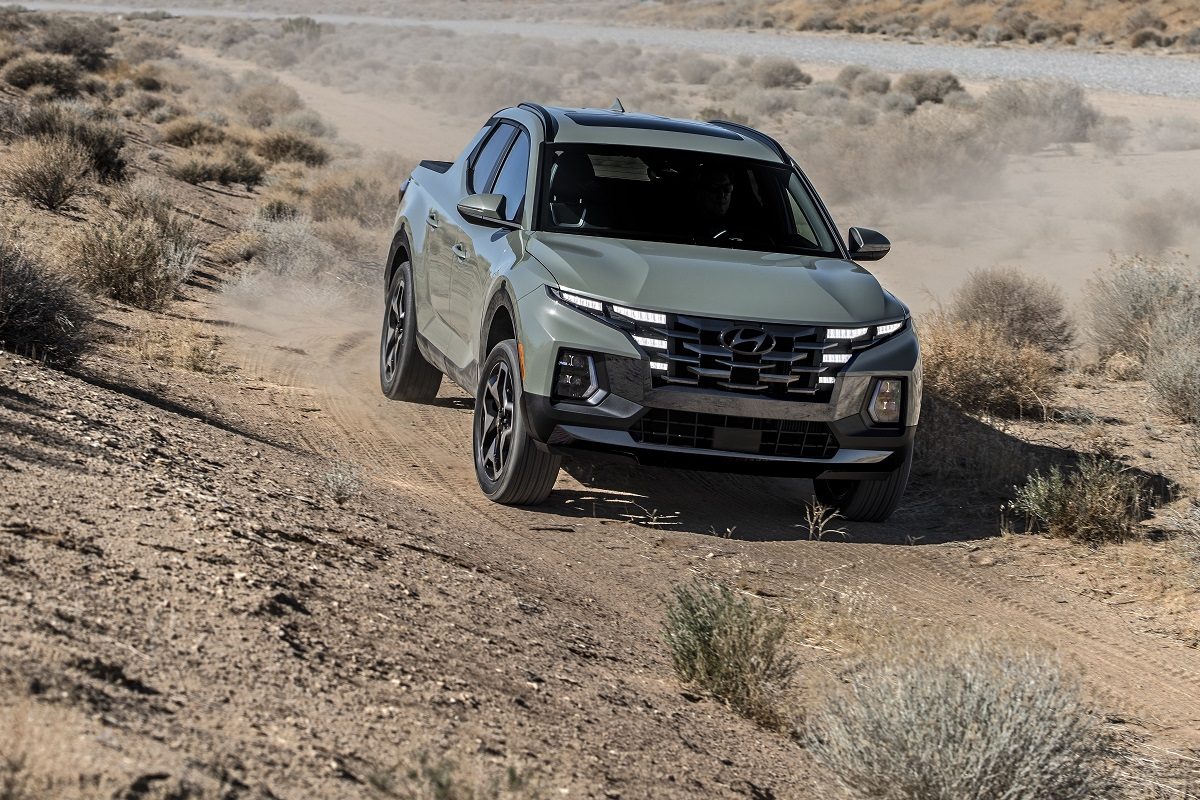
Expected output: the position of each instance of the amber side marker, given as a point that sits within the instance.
(521, 358)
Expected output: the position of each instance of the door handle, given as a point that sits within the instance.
(432, 219)
(460, 251)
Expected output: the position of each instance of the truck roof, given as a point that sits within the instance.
(615, 126)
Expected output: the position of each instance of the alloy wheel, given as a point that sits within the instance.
(496, 422)
(394, 331)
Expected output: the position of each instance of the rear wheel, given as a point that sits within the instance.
(404, 374)
(866, 501)
(510, 467)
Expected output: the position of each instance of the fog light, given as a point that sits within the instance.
(574, 375)
(885, 401)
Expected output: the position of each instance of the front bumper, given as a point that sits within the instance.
(632, 417)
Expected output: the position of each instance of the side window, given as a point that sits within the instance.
(510, 181)
(487, 156)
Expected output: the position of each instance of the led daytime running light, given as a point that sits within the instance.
(652, 317)
(845, 333)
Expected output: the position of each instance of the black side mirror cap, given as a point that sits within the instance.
(867, 245)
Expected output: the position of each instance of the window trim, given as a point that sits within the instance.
(474, 159)
(491, 185)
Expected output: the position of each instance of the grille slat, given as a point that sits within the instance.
(767, 437)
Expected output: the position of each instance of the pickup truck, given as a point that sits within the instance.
(620, 284)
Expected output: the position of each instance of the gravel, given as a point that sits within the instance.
(1132, 73)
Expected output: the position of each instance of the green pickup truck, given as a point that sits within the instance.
(672, 291)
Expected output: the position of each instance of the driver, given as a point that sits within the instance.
(714, 197)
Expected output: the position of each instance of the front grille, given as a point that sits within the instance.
(789, 370)
(766, 437)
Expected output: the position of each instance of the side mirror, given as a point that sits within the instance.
(485, 209)
(867, 245)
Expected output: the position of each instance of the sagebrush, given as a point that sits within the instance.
(1097, 501)
(41, 311)
(730, 647)
(1027, 310)
(49, 172)
(964, 720)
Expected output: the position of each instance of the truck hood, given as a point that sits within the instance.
(714, 282)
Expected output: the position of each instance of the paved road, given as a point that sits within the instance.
(1171, 76)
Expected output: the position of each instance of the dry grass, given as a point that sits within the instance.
(289, 145)
(1096, 502)
(41, 311)
(972, 365)
(1127, 300)
(730, 647)
(60, 73)
(1028, 311)
(40, 758)
(49, 172)
(1028, 115)
(86, 41)
(967, 719)
(1173, 372)
(86, 126)
(779, 73)
(932, 86)
(343, 482)
(135, 260)
(191, 131)
(184, 345)
(226, 165)
(362, 194)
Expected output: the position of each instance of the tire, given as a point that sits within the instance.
(510, 467)
(866, 501)
(404, 374)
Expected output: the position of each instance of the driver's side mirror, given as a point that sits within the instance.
(485, 209)
(867, 245)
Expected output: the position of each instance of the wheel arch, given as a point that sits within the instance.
(499, 322)
(400, 251)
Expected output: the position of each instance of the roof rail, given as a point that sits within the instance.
(548, 121)
(756, 135)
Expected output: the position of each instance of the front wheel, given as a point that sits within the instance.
(404, 374)
(866, 501)
(510, 467)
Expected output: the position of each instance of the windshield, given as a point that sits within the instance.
(680, 196)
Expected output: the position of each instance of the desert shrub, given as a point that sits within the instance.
(40, 309)
(133, 260)
(1173, 367)
(47, 171)
(226, 166)
(730, 647)
(289, 247)
(697, 69)
(278, 208)
(1126, 300)
(354, 242)
(1095, 502)
(929, 86)
(101, 140)
(779, 73)
(1029, 115)
(898, 103)
(361, 195)
(1028, 310)
(148, 198)
(305, 121)
(264, 99)
(343, 482)
(85, 40)
(1173, 133)
(958, 449)
(288, 145)
(1146, 37)
(305, 27)
(60, 73)
(968, 719)
(860, 80)
(971, 365)
(191, 131)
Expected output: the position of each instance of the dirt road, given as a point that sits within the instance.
(622, 535)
